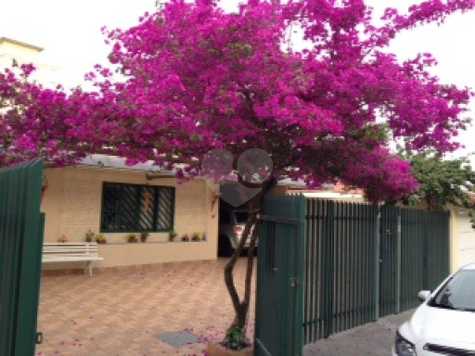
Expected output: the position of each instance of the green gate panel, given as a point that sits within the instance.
(279, 280)
(438, 249)
(388, 260)
(339, 267)
(412, 259)
(21, 239)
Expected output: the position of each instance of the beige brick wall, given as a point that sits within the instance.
(72, 204)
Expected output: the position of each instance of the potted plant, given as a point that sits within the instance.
(101, 239)
(203, 237)
(89, 237)
(63, 239)
(185, 238)
(172, 235)
(144, 236)
(196, 237)
(132, 238)
(234, 345)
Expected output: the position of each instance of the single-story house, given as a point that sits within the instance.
(104, 195)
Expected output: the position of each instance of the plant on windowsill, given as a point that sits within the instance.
(89, 237)
(101, 239)
(203, 237)
(185, 238)
(144, 236)
(195, 237)
(172, 235)
(63, 239)
(132, 238)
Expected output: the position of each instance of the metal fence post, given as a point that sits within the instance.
(447, 230)
(425, 219)
(377, 260)
(398, 262)
(328, 268)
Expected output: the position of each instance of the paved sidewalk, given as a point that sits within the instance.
(374, 339)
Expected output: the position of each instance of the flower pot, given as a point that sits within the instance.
(219, 350)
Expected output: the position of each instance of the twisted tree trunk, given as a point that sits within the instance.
(241, 307)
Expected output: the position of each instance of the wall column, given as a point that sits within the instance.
(454, 240)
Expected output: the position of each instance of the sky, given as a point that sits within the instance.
(69, 31)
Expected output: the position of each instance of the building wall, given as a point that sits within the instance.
(47, 73)
(22, 53)
(72, 204)
(454, 241)
(463, 239)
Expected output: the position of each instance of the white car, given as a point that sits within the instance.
(445, 322)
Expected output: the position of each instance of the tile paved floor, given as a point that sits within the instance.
(122, 313)
(118, 313)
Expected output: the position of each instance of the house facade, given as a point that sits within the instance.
(106, 197)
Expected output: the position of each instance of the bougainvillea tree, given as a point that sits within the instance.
(190, 78)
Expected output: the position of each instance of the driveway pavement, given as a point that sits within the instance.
(374, 339)
(126, 313)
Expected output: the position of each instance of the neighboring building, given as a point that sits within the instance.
(12, 50)
(21, 52)
(104, 195)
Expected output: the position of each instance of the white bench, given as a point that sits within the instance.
(87, 252)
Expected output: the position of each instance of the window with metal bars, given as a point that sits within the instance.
(137, 208)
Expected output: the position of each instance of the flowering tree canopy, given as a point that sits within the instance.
(191, 77)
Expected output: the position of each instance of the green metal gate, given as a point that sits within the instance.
(414, 255)
(339, 267)
(279, 282)
(356, 262)
(425, 253)
(389, 261)
(437, 247)
(21, 239)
